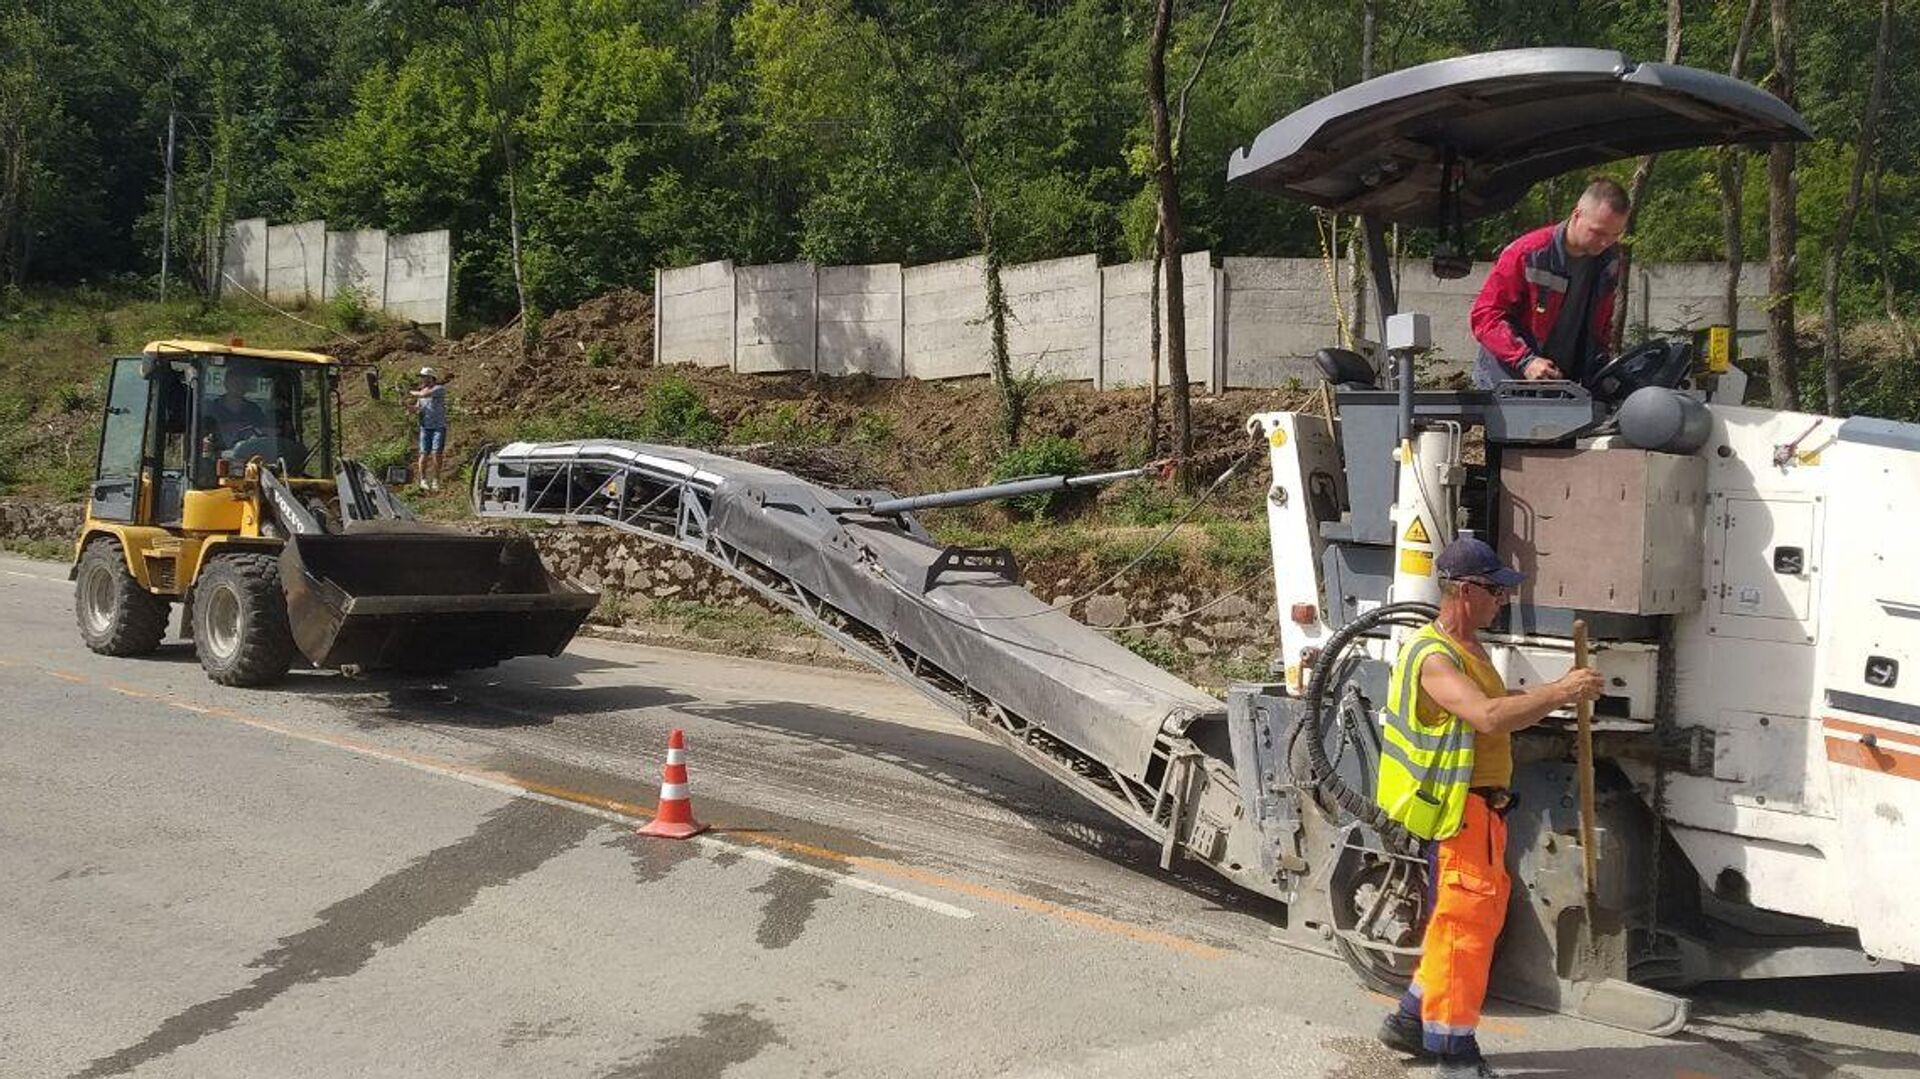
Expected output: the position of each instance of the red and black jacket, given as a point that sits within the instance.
(1518, 306)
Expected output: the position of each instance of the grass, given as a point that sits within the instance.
(44, 549)
(743, 625)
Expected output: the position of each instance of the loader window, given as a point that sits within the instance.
(261, 408)
(122, 435)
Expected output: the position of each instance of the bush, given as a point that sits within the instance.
(352, 307)
(595, 420)
(872, 429)
(530, 331)
(675, 412)
(1049, 456)
(782, 424)
(1151, 650)
(599, 354)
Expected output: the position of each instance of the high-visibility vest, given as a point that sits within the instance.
(1425, 769)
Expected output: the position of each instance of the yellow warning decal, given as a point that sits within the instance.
(1416, 533)
(1419, 563)
(1278, 437)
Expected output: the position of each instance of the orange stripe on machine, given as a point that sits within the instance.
(1874, 758)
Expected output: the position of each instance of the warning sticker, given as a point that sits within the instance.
(1278, 437)
(1416, 533)
(1419, 563)
(1719, 349)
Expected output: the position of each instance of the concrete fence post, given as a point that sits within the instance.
(1099, 359)
(733, 318)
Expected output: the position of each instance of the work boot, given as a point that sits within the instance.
(1469, 1065)
(1401, 1033)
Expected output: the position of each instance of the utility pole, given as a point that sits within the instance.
(166, 221)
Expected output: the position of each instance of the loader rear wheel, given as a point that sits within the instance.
(240, 628)
(117, 617)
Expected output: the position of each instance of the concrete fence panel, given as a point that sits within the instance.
(859, 320)
(1053, 317)
(420, 277)
(296, 261)
(243, 259)
(1686, 296)
(1278, 312)
(357, 259)
(696, 322)
(1125, 322)
(774, 317)
(944, 332)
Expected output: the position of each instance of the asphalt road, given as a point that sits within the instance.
(408, 878)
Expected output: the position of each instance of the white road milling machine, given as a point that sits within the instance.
(1757, 786)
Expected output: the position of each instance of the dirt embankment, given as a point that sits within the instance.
(913, 436)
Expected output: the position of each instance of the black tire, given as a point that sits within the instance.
(1378, 972)
(240, 629)
(117, 617)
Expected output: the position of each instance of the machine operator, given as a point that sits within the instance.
(232, 414)
(1445, 768)
(1546, 311)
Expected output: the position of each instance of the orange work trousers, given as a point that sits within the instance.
(1469, 906)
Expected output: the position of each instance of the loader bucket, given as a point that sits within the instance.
(423, 598)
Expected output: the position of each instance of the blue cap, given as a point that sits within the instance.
(1469, 558)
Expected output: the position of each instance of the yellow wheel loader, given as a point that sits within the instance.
(219, 486)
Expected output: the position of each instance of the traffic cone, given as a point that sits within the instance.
(674, 817)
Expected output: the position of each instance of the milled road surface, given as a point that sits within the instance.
(406, 878)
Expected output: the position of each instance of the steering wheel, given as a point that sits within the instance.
(1660, 362)
(271, 448)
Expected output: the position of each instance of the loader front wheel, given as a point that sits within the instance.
(240, 628)
(117, 616)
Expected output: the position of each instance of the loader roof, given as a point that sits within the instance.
(184, 345)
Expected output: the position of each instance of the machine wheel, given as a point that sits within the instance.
(1396, 920)
(240, 628)
(117, 617)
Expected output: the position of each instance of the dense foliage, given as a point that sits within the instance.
(657, 132)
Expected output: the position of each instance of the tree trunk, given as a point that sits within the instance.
(1175, 313)
(1356, 254)
(527, 326)
(1732, 169)
(1782, 227)
(1888, 296)
(1168, 182)
(1637, 190)
(1863, 153)
(1153, 342)
(1013, 395)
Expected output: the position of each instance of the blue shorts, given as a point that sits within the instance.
(433, 439)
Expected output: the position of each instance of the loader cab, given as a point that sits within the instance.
(184, 419)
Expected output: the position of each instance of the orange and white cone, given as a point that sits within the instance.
(674, 817)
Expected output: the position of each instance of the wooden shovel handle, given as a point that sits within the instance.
(1585, 713)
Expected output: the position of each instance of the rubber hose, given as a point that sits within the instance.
(1324, 777)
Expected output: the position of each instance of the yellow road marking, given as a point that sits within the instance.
(637, 812)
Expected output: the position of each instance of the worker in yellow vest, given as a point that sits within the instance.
(1445, 768)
